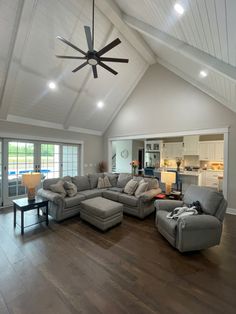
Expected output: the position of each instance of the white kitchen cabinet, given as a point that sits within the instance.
(191, 145)
(153, 145)
(172, 150)
(211, 151)
(219, 151)
(210, 178)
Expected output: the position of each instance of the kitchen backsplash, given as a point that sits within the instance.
(212, 165)
(191, 161)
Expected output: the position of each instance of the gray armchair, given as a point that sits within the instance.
(195, 232)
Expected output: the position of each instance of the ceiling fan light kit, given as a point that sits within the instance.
(93, 57)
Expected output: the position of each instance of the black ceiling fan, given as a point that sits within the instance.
(93, 57)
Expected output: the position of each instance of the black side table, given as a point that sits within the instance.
(23, 204)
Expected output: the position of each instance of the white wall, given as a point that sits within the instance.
(93, 144)
(123, 164)
(162, 103)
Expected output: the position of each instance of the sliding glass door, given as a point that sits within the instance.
(1, 158)
(53, 160)
(50, 160)
(20, 160)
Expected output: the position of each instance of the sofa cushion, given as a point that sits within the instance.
(58, 188)
(101, 207)
(142, 187)
(48, 182)
(112, 178)
(115, 189)
(131, 187)
(74, 200)
(123, 179)
(91, 193)
(209, 199)
(93, 179)
(82, 183)
(111, 195)
(129, 200)
(71, 188)
(152, 183)
(170, 225)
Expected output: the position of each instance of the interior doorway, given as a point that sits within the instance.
(141, 158)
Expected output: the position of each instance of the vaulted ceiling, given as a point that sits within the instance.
(150, 30)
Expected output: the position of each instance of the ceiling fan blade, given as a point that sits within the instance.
(107, 68)
(108, 47)
(88, 37)
(70, 57)
(95, 72)
(114, 60)
(80, 67)
(71, 45)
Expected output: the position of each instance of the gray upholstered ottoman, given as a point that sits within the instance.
(101, 212)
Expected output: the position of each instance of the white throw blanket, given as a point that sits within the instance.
(181, 212)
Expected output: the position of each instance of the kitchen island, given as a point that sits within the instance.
(200, 177)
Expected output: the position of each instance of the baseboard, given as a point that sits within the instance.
(231, 211)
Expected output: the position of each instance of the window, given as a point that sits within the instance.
(50, 160)
(20, 161)
(70, 160)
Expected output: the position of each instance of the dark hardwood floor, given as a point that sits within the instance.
(73, 268)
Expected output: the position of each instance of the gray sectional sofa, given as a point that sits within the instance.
(61, 207)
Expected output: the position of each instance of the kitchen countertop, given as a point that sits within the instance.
(190, 173)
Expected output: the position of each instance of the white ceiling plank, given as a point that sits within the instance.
(4, 106)
(211, 13)
(199, 26)
(114, 14)
(222, 26)
(175, 44)
(202, 9)
(231, 26)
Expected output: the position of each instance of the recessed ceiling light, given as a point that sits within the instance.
(179, 9)
(52, 85)
(203, 74)
(100, 104)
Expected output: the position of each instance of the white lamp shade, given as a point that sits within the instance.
(31, 180)
(168, 177)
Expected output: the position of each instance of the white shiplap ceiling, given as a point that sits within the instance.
(150, 30)
(32, 40)
(203, 38)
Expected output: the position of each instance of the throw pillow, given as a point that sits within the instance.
(130, 187)
(142, 187)
(112, 178)
(107, 183)
(123, 179)
(71, 188)
(100, 183)
(153, 184)
(58, 188)
(104, 183)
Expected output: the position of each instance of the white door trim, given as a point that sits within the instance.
(224, 131)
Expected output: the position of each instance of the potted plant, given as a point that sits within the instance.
(134, 164)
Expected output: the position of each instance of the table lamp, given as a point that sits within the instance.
(31, 181)
(168, 178)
